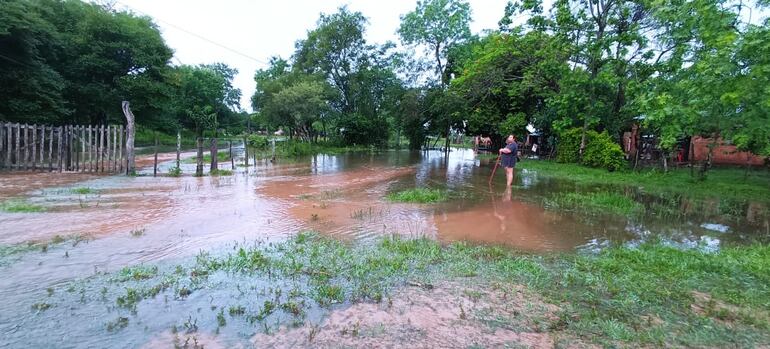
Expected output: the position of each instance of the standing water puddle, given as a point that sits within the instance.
(136, 220)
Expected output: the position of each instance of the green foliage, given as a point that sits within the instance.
(259, 142)
(359, 129)
(17, 206)
(73, 62)
(568, 150)
(419, 195)
(437, 24)
(601, 151)
(593, 202)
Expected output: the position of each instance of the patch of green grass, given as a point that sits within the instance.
(218, 172)
(603, 202)
(117, 324)
(84, 191)
(649, 295)
(723, 183)
(138, 272)
(18, 206)
(419, 195)
(175, 172)
(222, 156)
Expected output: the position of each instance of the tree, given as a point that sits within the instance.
(438, 25)
(508, 80)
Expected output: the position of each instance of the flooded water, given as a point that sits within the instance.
(122, 221)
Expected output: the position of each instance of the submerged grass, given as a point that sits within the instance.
(595, 202)
(651, 295)
(18, 206)
(419, 195)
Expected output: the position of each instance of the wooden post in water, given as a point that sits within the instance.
(42, 147)
(26, 146)
(178, 147)
(50, 150)
(232, 161)
(120, 148)
(83, 146)
(155, 167)
(214, 154)
(9, 146)
(34, 147)
(114, 149)
(102, 144)
(59, 148)
(18, 146)
(246, 152)
(76, 146)
(129, 138)
(199, 164)
(108, 149)
(2, 143)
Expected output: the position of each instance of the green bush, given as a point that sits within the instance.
(258, 141)
(601, 150)
(569, 146)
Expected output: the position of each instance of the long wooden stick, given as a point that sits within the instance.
(497, 162)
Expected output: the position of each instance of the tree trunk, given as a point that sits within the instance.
(130, 165)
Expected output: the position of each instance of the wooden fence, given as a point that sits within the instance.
(62, 148)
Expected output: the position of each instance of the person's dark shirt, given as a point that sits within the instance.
(509, 160)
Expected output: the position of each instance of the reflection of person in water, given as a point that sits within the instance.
(509, 157)
(506, 202)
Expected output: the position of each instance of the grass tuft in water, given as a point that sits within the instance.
(83, 191)
(419, 195)
(595, 202)
(217, 172)
(18, 206)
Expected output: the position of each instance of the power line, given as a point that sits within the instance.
(195, 35)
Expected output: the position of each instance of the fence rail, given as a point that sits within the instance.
(75, 148)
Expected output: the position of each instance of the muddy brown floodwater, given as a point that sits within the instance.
(135, 220)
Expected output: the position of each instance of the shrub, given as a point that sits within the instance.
(569, 146)
(603, 152)
(600, 151)
(257, 141)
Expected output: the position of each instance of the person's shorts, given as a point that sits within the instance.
(509, 161)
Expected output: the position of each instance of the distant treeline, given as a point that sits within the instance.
(74, 62)
(675, 68)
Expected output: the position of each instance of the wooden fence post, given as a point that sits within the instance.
(42, 147)
(34, 147)
(214, 155)
(2, 143)
(246, 152)
(120, 149)
(199, 165)
(18, 146)
(59, 148)
(114, 135)
(83, 146)
(26, 147)
(50, 150)
(9, 146)
(178, 147)
(108, 149)
(232, 161)
(129, 138)
(155, 166)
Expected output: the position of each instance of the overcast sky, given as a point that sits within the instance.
(257, 30)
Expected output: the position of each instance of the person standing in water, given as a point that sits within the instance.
(508, 155)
